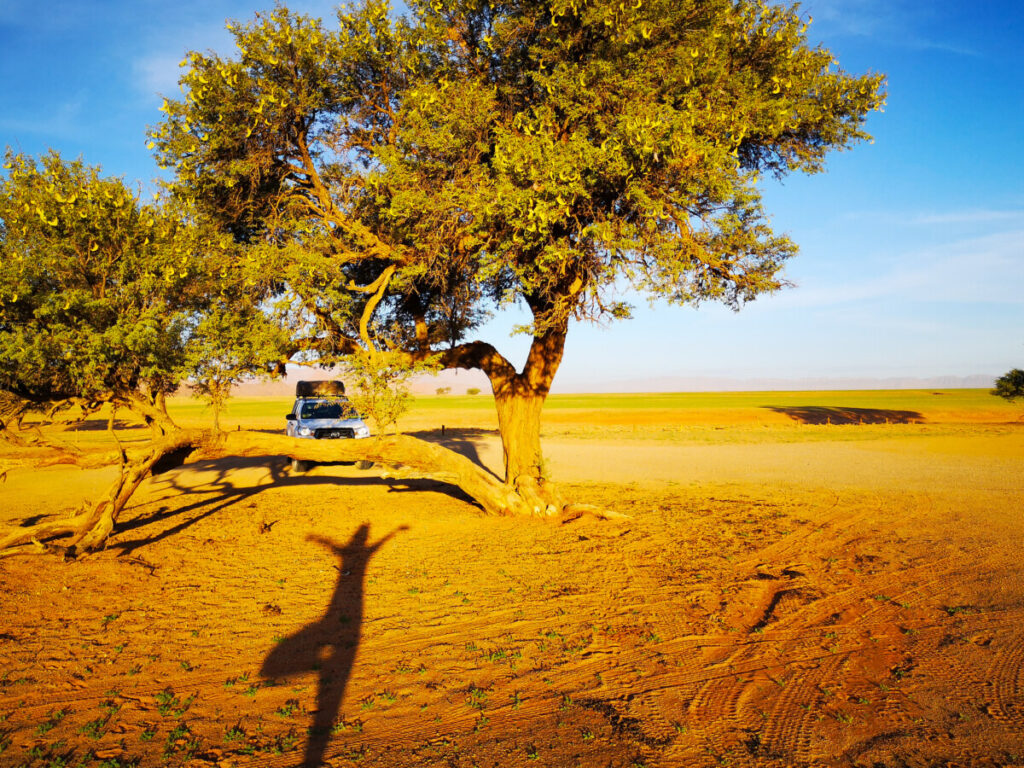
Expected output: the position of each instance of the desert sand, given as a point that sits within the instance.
(782, 594)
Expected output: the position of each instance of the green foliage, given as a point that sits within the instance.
(95, 286)
(230, 342)
(542, 152)
(382, 379)
(1010, 385)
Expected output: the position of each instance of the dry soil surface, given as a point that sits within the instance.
(823, 603)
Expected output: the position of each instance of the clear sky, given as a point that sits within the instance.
(912, 248)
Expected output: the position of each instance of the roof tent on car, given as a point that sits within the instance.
(333, 388)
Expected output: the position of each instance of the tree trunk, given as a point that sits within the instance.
(519, 399)
(519, 427)
(152, 409)
(12, 410)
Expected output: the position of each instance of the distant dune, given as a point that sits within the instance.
(459, 380)
(725, 384)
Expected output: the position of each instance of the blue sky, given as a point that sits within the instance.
(912, 248)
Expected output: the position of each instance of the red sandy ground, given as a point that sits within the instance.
(770, 603)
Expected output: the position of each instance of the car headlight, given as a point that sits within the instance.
(305, 431)
(362, 431)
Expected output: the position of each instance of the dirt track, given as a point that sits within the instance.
(808, 603)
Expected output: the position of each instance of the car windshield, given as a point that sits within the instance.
(327, 409)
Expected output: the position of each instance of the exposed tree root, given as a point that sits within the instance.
(572, 512)
(89, 528)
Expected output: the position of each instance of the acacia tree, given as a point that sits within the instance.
(95, 291)
(400, 176)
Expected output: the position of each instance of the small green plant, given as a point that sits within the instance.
(368, 703)
(118, 762)
(148, 734)
(587, 735)
(476, 697)
(94, 728)
(566, 702)
(356, 726)
(110, 707)
(532, 753)
(167, 704)
(481, 723)
(517, 700)
(182, 740)
(53, 718)
(289, 708)
(109, 618)
(234, 733)
(286, 743)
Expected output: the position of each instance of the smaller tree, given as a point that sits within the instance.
(96, 290)
(1010, 385)
(382, 379)
(231, 343)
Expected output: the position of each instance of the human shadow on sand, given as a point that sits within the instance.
(820, 414)
(329, 645)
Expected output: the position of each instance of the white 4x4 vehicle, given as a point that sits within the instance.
(322, 412)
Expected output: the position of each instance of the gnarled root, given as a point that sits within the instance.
(89, 528)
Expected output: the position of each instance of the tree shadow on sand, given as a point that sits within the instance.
(819, 414)
(329, 645)
(222, 490)
(465, 441)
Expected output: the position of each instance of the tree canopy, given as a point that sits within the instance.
(104, 298)
(96, 288)
(475, 154)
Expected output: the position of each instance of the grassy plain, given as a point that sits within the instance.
(806, 579)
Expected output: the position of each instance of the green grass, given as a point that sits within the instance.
(697, 408)
(272, 410)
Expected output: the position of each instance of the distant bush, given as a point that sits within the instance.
(473, 391)
(1010, 385)
(443, 390)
